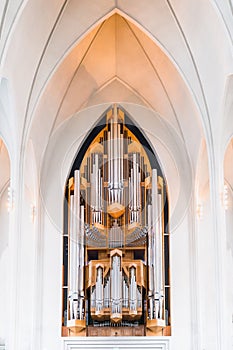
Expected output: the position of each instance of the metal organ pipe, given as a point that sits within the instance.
(116, 281)
(74, 276)
(115, 152)
(107, 293)
(150, 262)
(99, 290)
(155, 255)
(133, 291)
(76, 222)
(154, 238)
(72, 269)
(161, 276)
(81, 255)
(126, 295)
(139, 298)
(135, 190)
(121, 164)
(96, 190)
(111, 160)
(115, 149)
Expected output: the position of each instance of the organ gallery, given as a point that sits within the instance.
(116, 239)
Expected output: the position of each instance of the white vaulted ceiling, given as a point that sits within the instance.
(60, 57)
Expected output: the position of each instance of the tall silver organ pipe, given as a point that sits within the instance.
(125, 292)
(76, 224)
(76, 247)
(150, 263)
(133, 291)
(116, 291)
(115, 164)
(72, 248)
(72, 262)
(155, 255)
(135, 190)
(96, 190)
(99, 290)
(107, 293)
(81, 266)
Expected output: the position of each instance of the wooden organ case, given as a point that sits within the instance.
(116, 277)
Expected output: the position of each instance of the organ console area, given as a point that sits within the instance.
(116, 262)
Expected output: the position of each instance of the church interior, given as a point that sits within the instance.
(116, 176)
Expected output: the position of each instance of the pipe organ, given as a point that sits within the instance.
(116, 265)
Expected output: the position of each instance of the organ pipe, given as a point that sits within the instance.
(133, 291)
(116, 295)
(99, 290)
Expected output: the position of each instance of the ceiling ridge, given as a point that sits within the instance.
(158, 76)
(74, 74)
(124, 83)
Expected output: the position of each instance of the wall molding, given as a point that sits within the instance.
(116, 343)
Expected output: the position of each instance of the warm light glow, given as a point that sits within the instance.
(33, 212)
(200, 210)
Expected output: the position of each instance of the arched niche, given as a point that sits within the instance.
(116, 234)
(58, 159)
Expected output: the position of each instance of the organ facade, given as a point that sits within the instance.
(116, 239)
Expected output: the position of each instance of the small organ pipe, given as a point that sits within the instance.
(134, 183)
(81, 255)
(72, 269)
(127, 295)
(75, 309)
(107, 293)
(123, 289)
(139, 298)
(111, 157)
(99, 290)
(133, 293)
(93, 297)
(122, 160)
